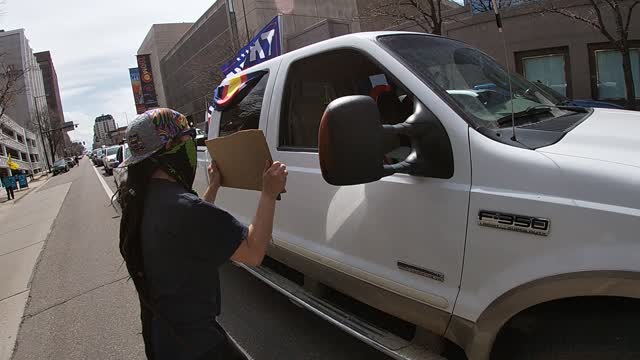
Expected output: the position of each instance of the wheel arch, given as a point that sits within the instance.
(477, 339)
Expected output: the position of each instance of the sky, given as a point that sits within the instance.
(93, 44)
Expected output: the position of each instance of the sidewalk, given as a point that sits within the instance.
(24, 227)
(19, 194)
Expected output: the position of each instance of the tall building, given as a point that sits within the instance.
(191, 69)
(59, 139)
(159, 40)
(29, 103)
(102, 128)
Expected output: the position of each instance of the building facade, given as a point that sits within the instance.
(102, 128)
(191, 69)
(58, 139)
(158, 41)
(117, 135)
(29, 103)
(566, 55)
(21, 145)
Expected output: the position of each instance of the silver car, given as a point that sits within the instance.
(120, 173)
(110, 159)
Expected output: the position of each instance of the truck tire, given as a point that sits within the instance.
(604, 330)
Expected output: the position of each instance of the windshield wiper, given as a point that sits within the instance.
(537, 110)
(530, 111)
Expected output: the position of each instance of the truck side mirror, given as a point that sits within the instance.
(350, 141)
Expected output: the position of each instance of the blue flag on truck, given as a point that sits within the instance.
(264, 46)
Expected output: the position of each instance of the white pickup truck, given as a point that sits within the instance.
(435, 210)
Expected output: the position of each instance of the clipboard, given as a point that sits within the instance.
(240, 158)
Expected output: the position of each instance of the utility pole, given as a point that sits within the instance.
(44, 146)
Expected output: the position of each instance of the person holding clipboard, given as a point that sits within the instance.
(172, 260)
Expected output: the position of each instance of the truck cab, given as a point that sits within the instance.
(428, 184)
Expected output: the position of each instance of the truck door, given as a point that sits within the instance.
(248, 110)
(402, 233)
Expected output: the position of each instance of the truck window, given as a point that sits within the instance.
(245, 114)
(313, 82)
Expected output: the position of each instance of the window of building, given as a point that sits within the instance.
(245, 114)
(8, 132)
(14, 153)
(24, 156)
(607, 75)
(312, 83)
(20, 138)
(551, 67)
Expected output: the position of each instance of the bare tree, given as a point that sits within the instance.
(10, 84)
(485, 5)
(617, 34)
(429, 15)
(203, 75)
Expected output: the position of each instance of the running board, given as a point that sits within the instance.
(372, 335)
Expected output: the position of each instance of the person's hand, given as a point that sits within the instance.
(274, 179)
(214, 175)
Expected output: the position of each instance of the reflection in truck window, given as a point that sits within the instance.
(245, 114)
(313, 82)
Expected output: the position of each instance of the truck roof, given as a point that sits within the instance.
(328, 44)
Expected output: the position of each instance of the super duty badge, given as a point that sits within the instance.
(513, 222)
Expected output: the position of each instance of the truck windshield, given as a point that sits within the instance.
(473, 81)
(112, 151)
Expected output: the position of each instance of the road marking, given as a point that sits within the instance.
(104, 183)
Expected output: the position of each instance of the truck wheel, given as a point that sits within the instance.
(573, 331)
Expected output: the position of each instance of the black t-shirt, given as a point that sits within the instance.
(185, 240)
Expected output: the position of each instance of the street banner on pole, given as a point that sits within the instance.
(136, 86)
(264, 46)
(146, 78)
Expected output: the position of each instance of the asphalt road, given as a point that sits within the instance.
(83, 307)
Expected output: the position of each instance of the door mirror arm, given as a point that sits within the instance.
(417, 128)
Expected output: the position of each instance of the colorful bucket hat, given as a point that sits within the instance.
(149, 132)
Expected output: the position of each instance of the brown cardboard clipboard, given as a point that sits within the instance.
(241, 158)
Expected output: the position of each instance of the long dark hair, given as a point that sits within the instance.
(130, 196)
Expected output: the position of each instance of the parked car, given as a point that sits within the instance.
(110, 160)
(70, 161)
(201, 136)
(119, 172)
(60, 166)
(97, 157)
(415, 215)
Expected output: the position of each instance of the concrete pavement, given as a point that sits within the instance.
(25, 226)
(81, 304)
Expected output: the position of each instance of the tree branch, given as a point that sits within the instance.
(598, 25)
(603, 27)
(626, 29)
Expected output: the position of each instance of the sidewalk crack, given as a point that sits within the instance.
(28, 316)
(22, 248)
